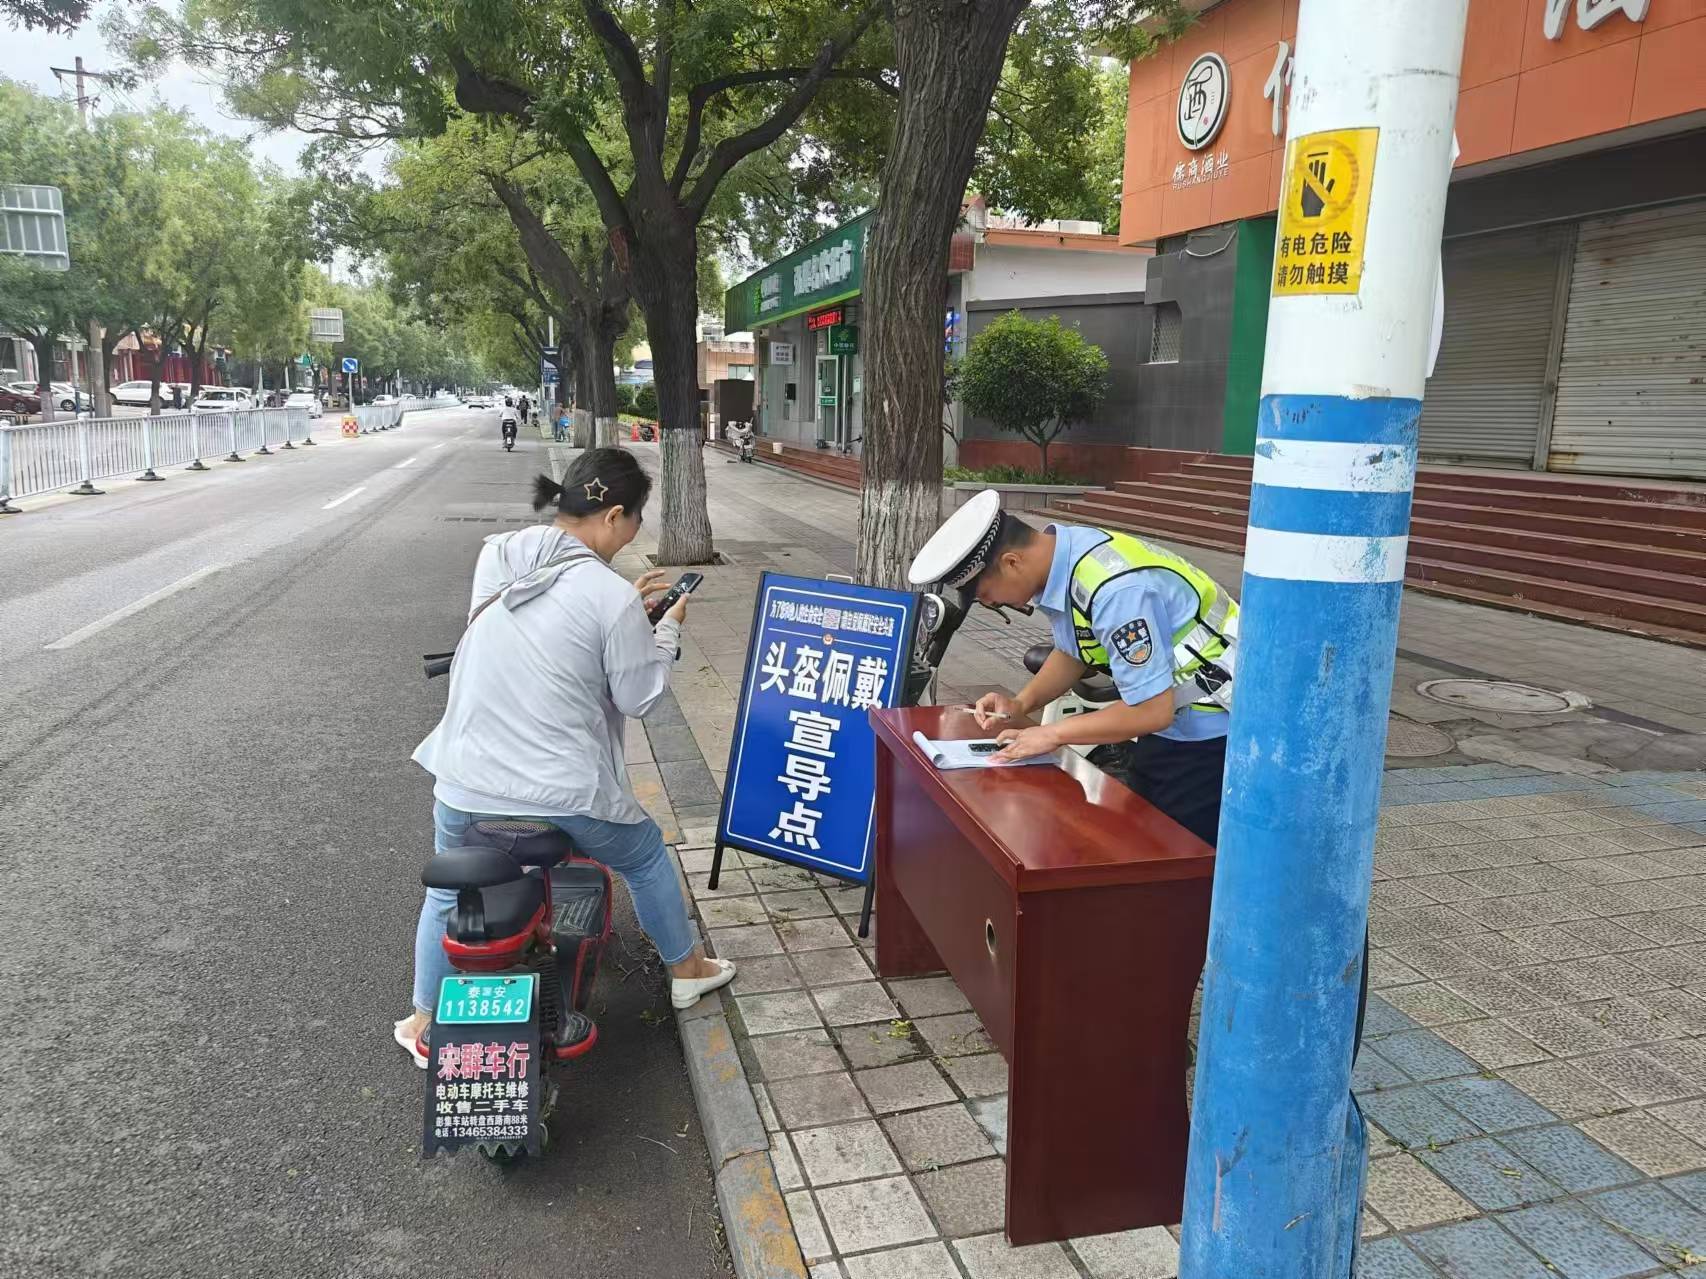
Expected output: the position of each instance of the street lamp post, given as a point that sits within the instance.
(1278, 1149)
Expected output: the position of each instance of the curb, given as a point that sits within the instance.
(756, 1224)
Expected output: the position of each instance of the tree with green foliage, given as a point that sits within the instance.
(1032, 377)
(45, 15)
(654, 101)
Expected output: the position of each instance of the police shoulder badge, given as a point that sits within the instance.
(1132, 642)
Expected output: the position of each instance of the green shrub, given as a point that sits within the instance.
(1033, 377)
(646, 401)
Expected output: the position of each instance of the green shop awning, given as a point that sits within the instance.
(829, 269)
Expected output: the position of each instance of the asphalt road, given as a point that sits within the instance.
(210, 833)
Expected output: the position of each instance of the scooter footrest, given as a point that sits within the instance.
(578, 897)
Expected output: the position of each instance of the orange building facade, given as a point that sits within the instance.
(1521, 92)
(1577, 213)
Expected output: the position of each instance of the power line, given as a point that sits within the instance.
(81, 73)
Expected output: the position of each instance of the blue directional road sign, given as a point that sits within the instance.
(351, 364)
(802, 766)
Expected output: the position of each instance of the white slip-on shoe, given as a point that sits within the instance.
(406, 1041)
(684, 992)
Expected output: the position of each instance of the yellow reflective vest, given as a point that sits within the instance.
(1203, 647)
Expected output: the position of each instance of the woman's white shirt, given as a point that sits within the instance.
(542, 685)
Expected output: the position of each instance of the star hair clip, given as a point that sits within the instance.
(595, 484)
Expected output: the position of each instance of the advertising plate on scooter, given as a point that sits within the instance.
(483, 1000)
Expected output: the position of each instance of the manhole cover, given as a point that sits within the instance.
(1500, 696)
(1407, 739)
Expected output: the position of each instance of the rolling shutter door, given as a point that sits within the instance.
(1484, 401)
(1632, 383)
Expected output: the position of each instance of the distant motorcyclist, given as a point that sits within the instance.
(507, 421)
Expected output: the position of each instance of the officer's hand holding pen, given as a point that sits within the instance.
(992, 708)
(1023, 743)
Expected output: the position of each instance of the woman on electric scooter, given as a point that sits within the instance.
(539, 692)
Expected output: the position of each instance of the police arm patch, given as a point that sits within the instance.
(1132, 642)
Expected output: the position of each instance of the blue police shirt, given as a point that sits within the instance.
(1134, 618)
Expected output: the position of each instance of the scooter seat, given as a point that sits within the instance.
(529, 841)
(508, 908)
(1036, 655)
(475, 866)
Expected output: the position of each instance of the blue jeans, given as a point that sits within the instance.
(634, 851)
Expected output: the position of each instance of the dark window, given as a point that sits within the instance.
(1164, 337)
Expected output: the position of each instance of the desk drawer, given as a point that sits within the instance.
(965, 908)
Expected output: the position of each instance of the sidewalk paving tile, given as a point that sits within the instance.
(1391, 1258)
(982, 1076)
(738, 943)
(874, 1214)
(919, 1261)
(1479, 1249)
(954, 1035)
(808, 1226)
(937, 1138)
(852, 1005)
(812, 1100)
(991, 1116)
(794, 1053)
(1655, 1148)
(773, 1013)
(1570, 1158)
(1150, 1253)
(910, 1086)
(832, 967)
(845, 1152)
(1415, 1117)
(1576, 1242)
(929, 996)
(1489, 1175)
(879, 1044)
(1408, 1194)
(966, 1199)
(992, 1257)
(764, 973)
(1492, 1104)
(1656, 1219)
(1422, 1054)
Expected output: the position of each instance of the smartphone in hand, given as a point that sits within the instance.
(686, 584)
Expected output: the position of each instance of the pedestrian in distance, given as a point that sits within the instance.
(542, 685)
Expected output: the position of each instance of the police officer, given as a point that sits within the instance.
(1162, 628)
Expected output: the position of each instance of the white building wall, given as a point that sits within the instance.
(1006, 271)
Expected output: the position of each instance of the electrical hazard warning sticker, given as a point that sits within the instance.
(1323, 216)
(1132, 641)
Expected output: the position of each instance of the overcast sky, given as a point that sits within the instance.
(26, 56)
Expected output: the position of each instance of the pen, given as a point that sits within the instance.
(987, 714)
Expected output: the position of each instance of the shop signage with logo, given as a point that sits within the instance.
(1204, 95)
(844, 340)
(825, 319)
(830, 269)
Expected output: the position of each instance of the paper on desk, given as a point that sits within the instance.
(960, 754)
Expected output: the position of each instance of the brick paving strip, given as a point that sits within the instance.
(1534, 1066)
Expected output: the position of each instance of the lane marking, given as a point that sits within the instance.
(113, 618)
(1333, 465)
(1324, 557)
(440, 445)
(339, 501)
(408, 461)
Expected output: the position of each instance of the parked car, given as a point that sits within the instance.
(303, 400)
(135, 393)
(384, 399)
(71, 397)
(16, 404)
(478, 401)
(216, 399)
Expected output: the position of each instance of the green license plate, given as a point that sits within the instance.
(504, 998)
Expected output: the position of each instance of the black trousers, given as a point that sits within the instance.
(1182, 779)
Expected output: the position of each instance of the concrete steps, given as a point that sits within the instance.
(819, 464)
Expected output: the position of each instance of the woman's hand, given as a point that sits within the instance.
(678, 611)
(1024, 743)
(651, 582)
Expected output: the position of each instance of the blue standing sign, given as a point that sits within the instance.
(801, 784)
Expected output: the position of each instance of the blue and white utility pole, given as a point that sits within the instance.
(1278, 1150)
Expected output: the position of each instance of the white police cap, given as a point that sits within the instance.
(961, 549)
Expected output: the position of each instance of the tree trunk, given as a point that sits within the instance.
(663, 275)
(43, 347)
(949, 54)
(601, 356)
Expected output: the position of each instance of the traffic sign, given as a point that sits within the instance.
(326, 324)
(351, 364)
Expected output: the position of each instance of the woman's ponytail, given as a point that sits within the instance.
(546, 492)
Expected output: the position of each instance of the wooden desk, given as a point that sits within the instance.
(1074, 916)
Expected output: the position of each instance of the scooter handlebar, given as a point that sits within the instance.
(437, 664)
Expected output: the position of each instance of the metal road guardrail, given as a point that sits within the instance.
(44, 457)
